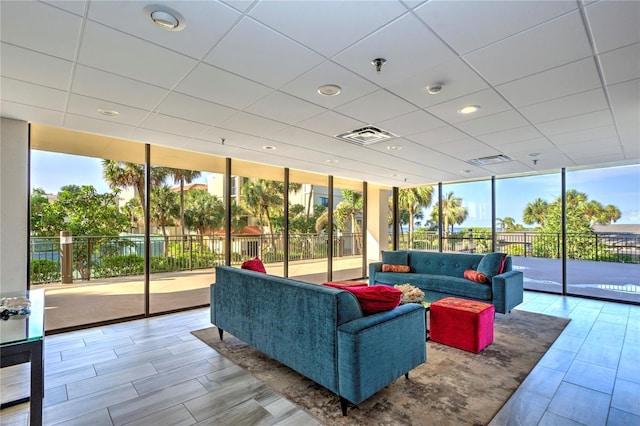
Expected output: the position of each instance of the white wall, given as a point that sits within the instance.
(377, 227)
(14, 196)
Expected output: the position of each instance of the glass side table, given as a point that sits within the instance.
(21, 341)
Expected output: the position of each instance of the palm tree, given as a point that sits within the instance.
(164, 208)
(182, 176)
(203, 212)
(535, 212)
(610, 214)
(506, 224)
(452, 211)
(120, 174)
(259, 197)
(413, 200)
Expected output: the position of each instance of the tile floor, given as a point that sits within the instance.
(154, 371)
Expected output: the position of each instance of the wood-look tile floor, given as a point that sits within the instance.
(154, 372)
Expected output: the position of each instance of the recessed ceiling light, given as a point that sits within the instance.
(108, 112)
(465, 172)
(329, 89)
(468, 109)
(269, 147)
(434, 89)
(331, 161)
(394, 147)
(534, 154)
(165, 17)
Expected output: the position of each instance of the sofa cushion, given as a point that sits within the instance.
(492, 264)
(475, 276)
(438, 283)
(400, 257)
(388, 267)
(254, 264)
(376, 298)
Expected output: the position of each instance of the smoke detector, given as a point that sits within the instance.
(434, 89)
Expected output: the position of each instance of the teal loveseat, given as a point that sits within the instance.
(442, 274)
(319, 331)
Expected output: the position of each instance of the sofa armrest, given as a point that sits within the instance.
(374, 351)
(373, 268)
(507, 290)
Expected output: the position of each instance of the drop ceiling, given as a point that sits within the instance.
(556, 81)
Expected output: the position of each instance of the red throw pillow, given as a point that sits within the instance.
(475, 276)
(388, 267)
(376, 298)
(254, 264)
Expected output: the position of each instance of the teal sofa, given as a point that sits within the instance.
(442, 274)
(319, 331)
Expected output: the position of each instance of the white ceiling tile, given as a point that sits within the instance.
(470, 25)
(456, 78)
(597, 159)
(306, 86)
(32, 94)
(326, 27)
(605, 16)
(26, 65)
(111, 87)
(411, 123)
(621, 64)
(525, 147)
(40, 27)
(252, 124)
(489, 124)
(510, 136)
(207, 147)
(174, 126)
(554, 43)
(282, 107)
(593, 148)
(159, 138)
(86, 106)
(206, 23)
(597, 133)
(303, 138)
(74, 6)
(194, 109)
(506, 168)
(375, 107)
(215, 85)
(97, 126)
(438, 136)
(489, 100)
(38, 115)
(567, 106)
(267, 57)
(232, 139)
(331, 123)
(565, 80)
(470, 147)
(625, 103)
(101, 48)
(404, 59)
(576, 122)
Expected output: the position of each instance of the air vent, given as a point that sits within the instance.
(492, 159)
(366, 136)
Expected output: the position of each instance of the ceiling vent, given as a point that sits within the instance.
(366, 136)
(491, 159)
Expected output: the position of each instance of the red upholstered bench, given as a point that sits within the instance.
(463, 324)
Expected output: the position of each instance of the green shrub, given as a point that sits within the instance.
(121, 265)
(44, 271)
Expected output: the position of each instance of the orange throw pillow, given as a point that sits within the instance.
(388, 267)
(475, 276)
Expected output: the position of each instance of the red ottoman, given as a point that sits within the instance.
(463, 324)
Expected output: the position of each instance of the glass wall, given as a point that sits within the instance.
(348, 237)
(466, 217)
(80, 184)
(185, 228)
(528, 228)
(308, 240)
(418, 229)
(603, 252)
(258, 203)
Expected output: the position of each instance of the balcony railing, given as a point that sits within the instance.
(104, 257)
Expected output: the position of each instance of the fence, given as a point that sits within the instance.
(103, 257)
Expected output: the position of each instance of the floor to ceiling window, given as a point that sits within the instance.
(185, 228)
(466, 217)
(80, 184)
(258, 204)
(418, 229)
(308, 241)
(528, 228)
(348, 238)
(603, 251)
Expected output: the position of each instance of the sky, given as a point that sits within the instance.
(619, 186)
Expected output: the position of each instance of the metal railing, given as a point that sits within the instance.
(104, 257)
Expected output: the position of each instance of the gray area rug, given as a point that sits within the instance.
(454, 387)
